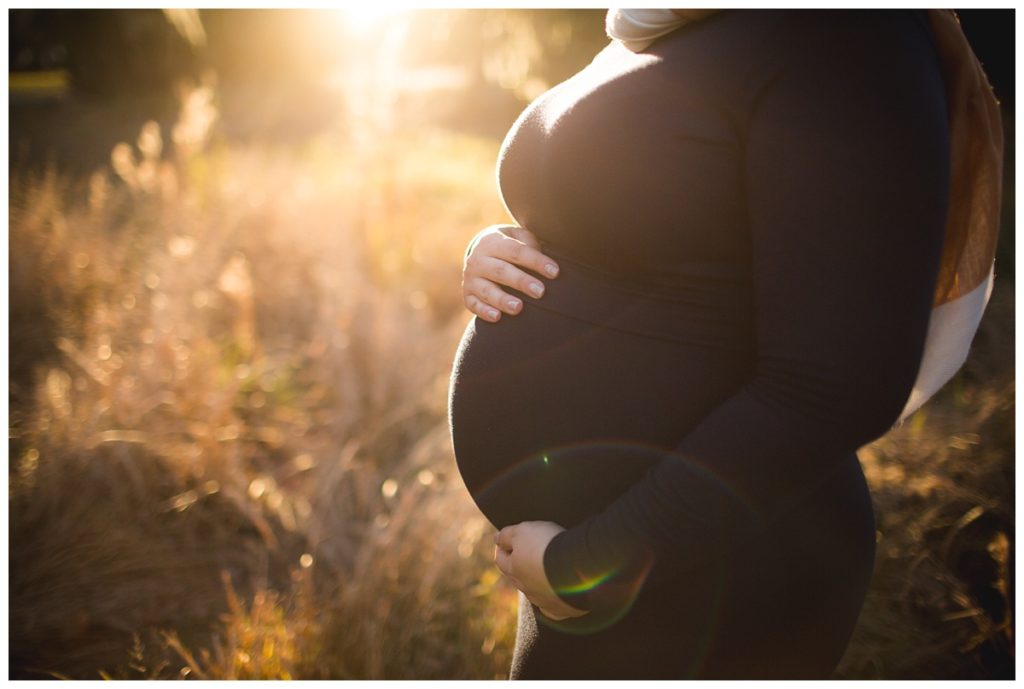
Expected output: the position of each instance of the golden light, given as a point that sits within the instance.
(363, 17)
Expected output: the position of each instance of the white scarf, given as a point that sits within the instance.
(956, 314)
(637, 29)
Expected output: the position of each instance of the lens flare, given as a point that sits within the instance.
(698, 596)
(555, 481)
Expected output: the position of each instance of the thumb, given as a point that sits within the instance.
(505, 537)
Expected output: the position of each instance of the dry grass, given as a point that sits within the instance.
(942, 599)
(231, 457)
(229, 453)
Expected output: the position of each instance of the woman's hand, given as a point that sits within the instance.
(519, 555)
(493, 261)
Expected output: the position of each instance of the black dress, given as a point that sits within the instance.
(748, 217)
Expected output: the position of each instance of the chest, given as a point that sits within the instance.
(634, 163)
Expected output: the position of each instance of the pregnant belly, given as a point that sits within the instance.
(553, 416)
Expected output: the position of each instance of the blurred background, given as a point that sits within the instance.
(235, 251)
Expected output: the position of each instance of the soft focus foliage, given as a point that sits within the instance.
(238, 406)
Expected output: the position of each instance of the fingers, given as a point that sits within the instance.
(518, 252)
(484, 298)
(482, 308)
(505, 273)
(481, 291)
(503, 561)
(498, 259)
(487, 300)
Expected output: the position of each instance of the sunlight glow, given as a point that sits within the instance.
(359, 18)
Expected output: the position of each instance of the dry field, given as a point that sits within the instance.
(229, 450)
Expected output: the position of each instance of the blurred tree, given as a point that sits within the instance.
(107, 52)
(273, 68)
(275, 45)
(510, 56)
(32, 44)
(524, 50)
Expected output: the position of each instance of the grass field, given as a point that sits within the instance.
(229, 450)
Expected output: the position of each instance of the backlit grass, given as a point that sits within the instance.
(230, 457)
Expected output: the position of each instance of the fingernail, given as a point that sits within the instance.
(537, 289)
(551, 269)
(513, 304)
(493, 313)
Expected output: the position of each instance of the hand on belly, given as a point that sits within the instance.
(519, 555)
(501, 255)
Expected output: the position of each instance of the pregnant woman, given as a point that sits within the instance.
(751, 216)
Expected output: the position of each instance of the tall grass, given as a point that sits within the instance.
(942, 599)
(229, 453)
(231, 456)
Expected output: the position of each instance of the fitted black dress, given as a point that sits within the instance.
(748, 217)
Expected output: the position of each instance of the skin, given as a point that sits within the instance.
(519, 555)
(497, 260)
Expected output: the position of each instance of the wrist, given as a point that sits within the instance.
(571, 588)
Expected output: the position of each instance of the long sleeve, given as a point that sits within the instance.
(847, 168)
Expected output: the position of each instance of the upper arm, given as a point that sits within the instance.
(847, 168)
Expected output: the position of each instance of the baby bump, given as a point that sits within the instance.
(553, 417)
